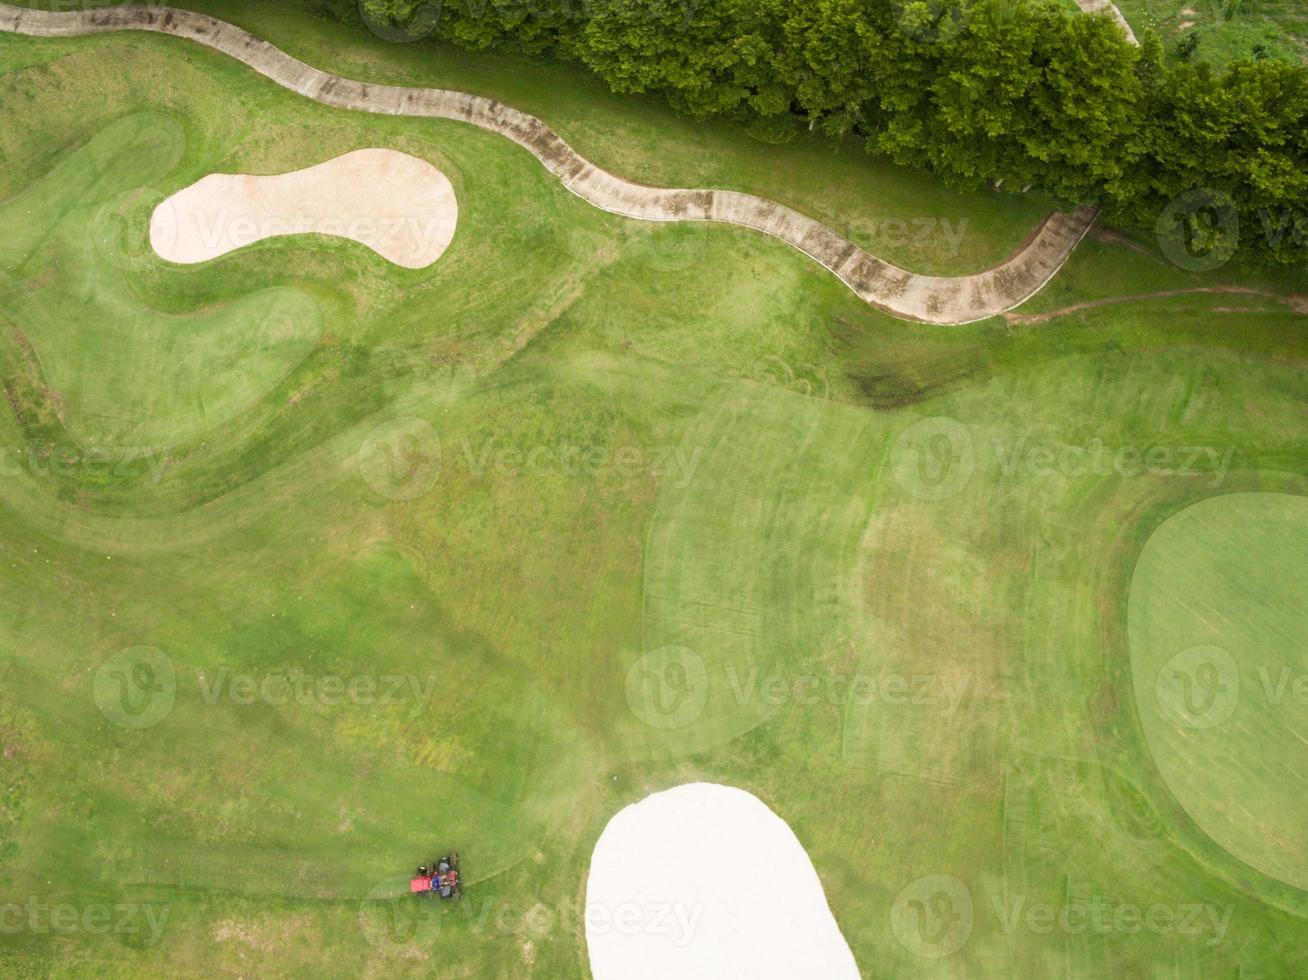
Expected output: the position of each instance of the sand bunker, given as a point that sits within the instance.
(704, 882)
(399, 206)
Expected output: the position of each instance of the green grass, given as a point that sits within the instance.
(898, 214)
(1218, 664)
(1279, 28)
(767, 485)
(97, 366)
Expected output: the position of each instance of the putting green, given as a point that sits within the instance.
(1217, 622)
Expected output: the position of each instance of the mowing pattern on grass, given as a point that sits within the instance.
(1217, 626)
(905, 550)
(99, 365)
(933, 299)
(749, 566)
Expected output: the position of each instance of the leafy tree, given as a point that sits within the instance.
(975, 90)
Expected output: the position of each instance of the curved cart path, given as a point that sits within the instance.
(933, 299)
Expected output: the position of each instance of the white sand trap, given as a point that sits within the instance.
(399, 206)
(704, 882)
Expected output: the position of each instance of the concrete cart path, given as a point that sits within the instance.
(932, 299)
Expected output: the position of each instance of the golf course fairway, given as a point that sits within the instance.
(316, 566)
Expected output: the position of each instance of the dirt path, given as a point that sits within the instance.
(932, 299)
(1029, 319)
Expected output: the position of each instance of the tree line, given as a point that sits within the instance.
(1018, 93)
